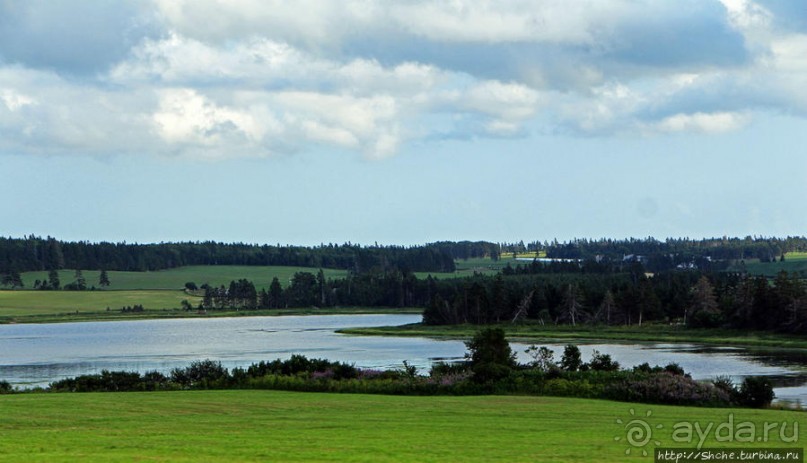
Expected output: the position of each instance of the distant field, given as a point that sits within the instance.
(795, 262)
(176, 278)
(306, 427)
(469, 267)
(20, 303)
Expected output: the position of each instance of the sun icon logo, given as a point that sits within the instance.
(638, 432)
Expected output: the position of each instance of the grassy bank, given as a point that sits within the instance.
(577, 334)
(289, 427)
(50, 316)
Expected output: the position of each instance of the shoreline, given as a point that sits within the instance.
(651, 334)
(77, 317)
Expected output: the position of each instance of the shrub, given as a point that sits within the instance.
(543, 358)
(491, 356)
(756, 391)
(675, 369)
(444, 368)
(725, 383)
(667, 388)
(602, 362)
(5, 387)
(201, 374)
(571, 358)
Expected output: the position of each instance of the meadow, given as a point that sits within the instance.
(47, 306)
(160, 292)
(175, 278)
(794, 262)
(297, 427)
(469, 267)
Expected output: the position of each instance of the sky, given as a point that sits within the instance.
(406, 122)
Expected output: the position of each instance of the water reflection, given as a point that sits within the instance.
(35, 355)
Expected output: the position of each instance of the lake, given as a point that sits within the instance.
(35, 355)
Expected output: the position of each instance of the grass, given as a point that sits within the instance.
(73, 306)
(175, 278)
(20, 303)
(469, 267)
(647, 333)
(795, 262)
(307, 427)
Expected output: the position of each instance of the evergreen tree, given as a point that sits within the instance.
(53, 279)
(275, 294)
(80, 283)
(12, 278)
(704, 309)
(103, 279)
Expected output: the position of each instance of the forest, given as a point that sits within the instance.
(37, 253)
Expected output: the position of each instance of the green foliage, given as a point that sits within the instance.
(202, 374)
(5, 387)
(543, 358)
(113, 381)
(756, 392)
(602, 362)
(571, 359)
(667, 388)
(490, 355)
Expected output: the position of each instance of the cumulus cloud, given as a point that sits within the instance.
(701, 122)
(267, 77)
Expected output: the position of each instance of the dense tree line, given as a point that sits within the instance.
(369, 289)
(35, 253)
(629, 297)
(678, 250)
(692, 298)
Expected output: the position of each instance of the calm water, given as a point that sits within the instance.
(35, 355)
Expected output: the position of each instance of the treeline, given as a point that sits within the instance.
(680, 250)
(666, 254)
(692, 298)
(34, 253)
(369, 289)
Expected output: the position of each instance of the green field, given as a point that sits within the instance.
(75, 306)
(795, 262)
(308, 427)
(469, 267)
(15, 303)
(175, 278)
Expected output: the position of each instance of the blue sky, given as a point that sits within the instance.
(316, 121)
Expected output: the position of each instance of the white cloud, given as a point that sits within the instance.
(703, 123)
(184, 116)
(14, 100)
(320, 24)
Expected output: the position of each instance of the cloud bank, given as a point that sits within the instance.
(248, 78)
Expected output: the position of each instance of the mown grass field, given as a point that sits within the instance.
(795, 262)
(75, 306)
(214, 275)
(16, 303)
(469, 267)
(307, 427)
